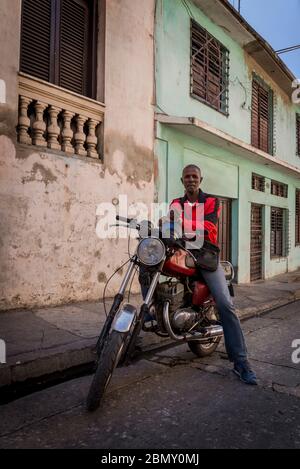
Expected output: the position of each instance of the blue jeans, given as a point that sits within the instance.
(233, 334)
(216, 282)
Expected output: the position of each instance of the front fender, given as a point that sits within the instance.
(124, 319)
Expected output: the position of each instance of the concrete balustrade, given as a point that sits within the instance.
(52, 117)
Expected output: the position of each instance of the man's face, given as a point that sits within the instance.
(191, 179)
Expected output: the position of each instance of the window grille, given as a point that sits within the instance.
(297, 213)
(258, 183)
(279, 189)
(209, 69)
(280, 243)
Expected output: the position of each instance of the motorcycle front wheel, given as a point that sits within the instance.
(108, 360)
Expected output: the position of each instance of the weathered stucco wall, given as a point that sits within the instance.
(49, 250)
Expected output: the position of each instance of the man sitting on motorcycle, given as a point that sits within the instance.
(215, 280)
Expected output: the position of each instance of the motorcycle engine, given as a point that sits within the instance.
(181, 318)
(184, 319)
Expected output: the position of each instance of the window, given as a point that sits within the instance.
(209, 69)
(258, 183)
(58, 43)
(277, 232)
(297, 221)
(298, 133)
(262, 116)
(279, 189)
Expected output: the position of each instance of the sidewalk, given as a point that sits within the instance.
(44, 341)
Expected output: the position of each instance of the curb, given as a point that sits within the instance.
(81, 354)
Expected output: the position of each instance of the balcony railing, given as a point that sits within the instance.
(59, 119)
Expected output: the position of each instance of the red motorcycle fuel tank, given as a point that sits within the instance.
(200, 294)
(176, 265)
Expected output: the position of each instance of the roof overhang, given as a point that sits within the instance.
(199, 129)
(222, 13)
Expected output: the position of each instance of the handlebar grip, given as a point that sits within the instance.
(124, 219)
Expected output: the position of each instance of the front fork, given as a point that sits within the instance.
(115, 306)
(118, 299)
(143, 311)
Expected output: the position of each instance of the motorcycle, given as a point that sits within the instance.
(179, 307)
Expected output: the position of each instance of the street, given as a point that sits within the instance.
(172, 399)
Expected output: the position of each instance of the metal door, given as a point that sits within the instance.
(256, 243)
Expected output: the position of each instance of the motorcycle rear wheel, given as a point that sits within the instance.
(108, 361)
(205, 350)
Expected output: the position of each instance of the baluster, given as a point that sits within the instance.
(91, 139)
(79, 136)
(53, 128)
(24, 121)
(67, 132)
(39, 126)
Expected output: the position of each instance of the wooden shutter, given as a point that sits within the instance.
(58, 43)
(297, 220)
(261, 123)
(74, 46)
(199, 62)
(255, 115)
(209, 68)
(279, 189)
(224, 230)
(258, 183)
(298, 133)
(36, 38)
(277, 232)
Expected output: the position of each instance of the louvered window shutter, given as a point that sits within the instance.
(58, 43)
(298, 133)
(36, 38)
(262, 117)
(209, 69)
(297, 217)
(254, 116)
(74, 46)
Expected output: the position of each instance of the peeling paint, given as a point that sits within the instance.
(139, 162)
(46, 175)
(8, 121)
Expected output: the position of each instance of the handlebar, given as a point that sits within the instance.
(124, 219)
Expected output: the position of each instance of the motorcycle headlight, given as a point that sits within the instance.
(151, 251)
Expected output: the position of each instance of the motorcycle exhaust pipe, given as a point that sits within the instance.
(201, 337)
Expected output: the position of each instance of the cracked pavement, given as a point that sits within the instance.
(172, 399)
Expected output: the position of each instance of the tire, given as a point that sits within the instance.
(108, 361)
(205, 350)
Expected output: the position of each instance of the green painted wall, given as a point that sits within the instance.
(225, 174)
(173, 80)
(229, 175)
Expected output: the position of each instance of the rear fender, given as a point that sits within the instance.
(125, 319)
